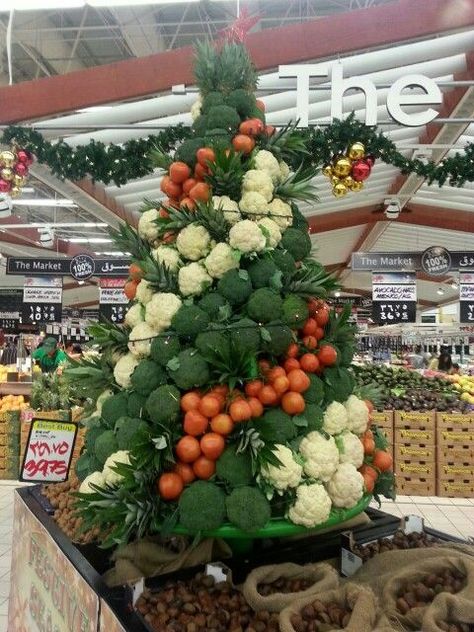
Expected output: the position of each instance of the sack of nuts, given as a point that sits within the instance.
(350, 607)
(274, 587)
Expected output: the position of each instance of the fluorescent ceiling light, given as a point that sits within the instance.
(95, 108)
(38, 5)
(440, 291)
(89, 240)
(56, 225)
(129, 3)
(45, 202)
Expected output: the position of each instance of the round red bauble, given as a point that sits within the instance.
(24, 157)
(369, 159)
(5, 186)
(360, 170)
(21, 169)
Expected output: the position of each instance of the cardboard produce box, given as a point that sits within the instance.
(415, 486)
(414, 467)
(449, 420)
(415, 419)
(455, 436)
(423, 434)
(411, 450)
(383, 419)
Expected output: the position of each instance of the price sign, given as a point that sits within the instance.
(394, 298)
(48, 451)
(113, 303)
(466, 298)
(113, 313)
(384, 313)
(41, 314)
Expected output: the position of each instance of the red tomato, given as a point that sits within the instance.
(319, 333)
(322, 316)
(205, 155)
(281, 384)
(188, 203)
(327, 355)
(299, 381)
(190, 401)
(222, 424)
(243, 143)
(252, 127)
(255, 406)
(369, 483)
(369, 445)
(310, 327)
(276, 371)
(200, 171)
(292, 351)
(261, 105)
(309, 362)
(179, 172)
(188, 185)
(314, 304)
(382, 460)
(368, 470)
(204, 468)
(187, 449)
(310, 342)
(172, 189)
(169, 237)
(185, 471)
(165, 180)
(200, 192)
(268, 396)
(220, 389)
(130, 289)
(210, 406)
(170, 485)
(212, 445)
(163, 213)
(264, 366)
(253, 388)
(291, 364)
(240, 410)
(135, 271)
(293, 403)
(195, 424)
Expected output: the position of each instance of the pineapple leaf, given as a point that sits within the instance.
(205, 215)
(159, 158)
(224, 70)
(287, 142)
(160, 277)
(226, 174)
(311, 279)
(298, 186)
(177, 219)
(127, 239)
(231, 364)
(109, 336)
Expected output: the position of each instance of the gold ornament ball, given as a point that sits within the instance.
(342, 167)
(18, 181)
(335, 180)
(349, 182)
(14, 192)
(7, 174)
(356, 151)
(327, 171)
(339, 190)
(357, 186)
(7, 158)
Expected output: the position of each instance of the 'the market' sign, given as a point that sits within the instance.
(435, 261)
(80, 267)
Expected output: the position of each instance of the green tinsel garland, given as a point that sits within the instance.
(121, 163)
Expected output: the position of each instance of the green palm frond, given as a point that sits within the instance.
(127, 239)
(298, 186)
(311, 280)
(287, 143)
(231, 364)
(204, 214)
(226, 174)
(160, 277)
(224, 69)
(110, 336)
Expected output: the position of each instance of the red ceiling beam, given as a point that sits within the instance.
(99, 194)
(344, 219)
(317, 39)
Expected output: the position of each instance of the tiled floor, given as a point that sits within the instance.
(451, 515)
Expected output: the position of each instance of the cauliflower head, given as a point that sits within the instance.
(144, 292)
(358, 415)
(271, 230)
(254, 204)
(280, 212)
(96, 478)
(147, 228)
(139, 340)
(193, 279)
(265, 161)
(335, 418)
(196, 108)
(259, 181)
(351, 449)
(286, 475)
(312, 506)
(111, 477)
(193, 242)
(321, 456)
(134, 315)
(246, 236)
(284, 170)
(229, 208)
(124, 368)
(220, 259)
(161, 309)
(346, 487)
(167, 256)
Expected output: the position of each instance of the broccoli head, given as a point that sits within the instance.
(189, 369)
(248, 509)
(186, 152)
(218, 138)
(189, 320)
(297, 242)
(235, 469)
(264, 305)
(92, 435)
(164, 347)
(235, 286)
(84, 464)
(245, 335)
(212, 99)
(281, 337)
(162, 404)
(211, 340)
(315, 393)
(295, 311)
(262, 271)
(113, 408)
(315, 416)
(200, 125)
(284, 262)
(244, 102)
(147, 376)
(224, 117)
(299, 220)
(214, 304)
(105, 445)
(202, 507)
(126, 430)
(275, 426)
(136, 404)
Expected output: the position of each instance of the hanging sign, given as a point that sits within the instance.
(393, 298)
(435, 261)
(80, 267)
(112, 300)
(10, 308)
(466, 298)
(42, 300)
(48, 451)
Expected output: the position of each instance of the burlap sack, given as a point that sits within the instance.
(154, 556)
(362, 601)
(448, 608)
(323, 578)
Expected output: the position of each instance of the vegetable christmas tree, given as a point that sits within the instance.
(228, 396)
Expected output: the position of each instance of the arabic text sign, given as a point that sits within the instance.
(394, 298)
(48, 451)
(393, 312)
(466, 298)
(112, 295)
(30, 266)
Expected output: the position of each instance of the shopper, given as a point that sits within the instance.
(49, 357)
(445, 362)
(415, 359)
(10, 353)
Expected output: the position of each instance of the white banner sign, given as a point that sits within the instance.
(394, 292)
(112, 296)
(42, 295)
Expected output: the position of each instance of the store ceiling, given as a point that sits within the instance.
(58, 42)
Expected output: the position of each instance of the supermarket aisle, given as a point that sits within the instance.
(451, 515)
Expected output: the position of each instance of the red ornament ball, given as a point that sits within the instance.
(25, 157)
(370, 160)
(360, 170)
(21, 169)
(5, 186)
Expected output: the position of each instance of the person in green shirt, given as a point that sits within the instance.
(48, 356)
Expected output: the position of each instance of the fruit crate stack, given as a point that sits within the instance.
(384, 420)
(415, 452)
(9, 445)
(455, 446)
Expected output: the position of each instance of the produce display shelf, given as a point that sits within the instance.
(15, 388)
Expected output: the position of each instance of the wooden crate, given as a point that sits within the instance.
(455, 452)
(455, 470)
(383, 419)
(410, 450)
(423, 434)
(455, 436)
(456, 488)
(9, 468)
(450, 420)
(415, 468)
(415, 419)
(415, 486)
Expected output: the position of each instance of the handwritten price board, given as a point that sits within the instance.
(48, 451)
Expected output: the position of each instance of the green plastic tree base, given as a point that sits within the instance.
(278, 527)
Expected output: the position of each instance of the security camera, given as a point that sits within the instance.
(6, 205)
(392, 209)
(46, 237)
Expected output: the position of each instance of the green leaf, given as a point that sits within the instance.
(265, 334)
(173, 364)
(244, 275)
(300, 421)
